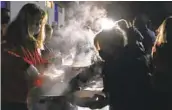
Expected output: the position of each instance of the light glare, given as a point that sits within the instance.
(107, 24)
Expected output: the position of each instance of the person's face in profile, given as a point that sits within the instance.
(35, 25)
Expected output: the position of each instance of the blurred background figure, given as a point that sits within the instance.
(162, 65)
(141, 23)
(133, 33)
(54, 25)
(61, 26)
(5, 19)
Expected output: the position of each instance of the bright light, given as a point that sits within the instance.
(107, 23)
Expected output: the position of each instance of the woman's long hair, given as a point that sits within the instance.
(18, 32)
(164, 34)
(163, 45)
(42, 33)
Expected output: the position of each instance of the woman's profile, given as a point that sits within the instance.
(17, 55)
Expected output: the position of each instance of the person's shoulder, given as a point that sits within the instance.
(134, 29)
(137, 33)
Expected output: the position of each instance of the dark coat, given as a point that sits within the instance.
(162, 77)
(14, 83)
(127, 82)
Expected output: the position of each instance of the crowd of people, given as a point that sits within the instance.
(136, 61)
(137, 73)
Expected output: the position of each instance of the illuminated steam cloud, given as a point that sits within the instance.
(73, 45)
(75, 39)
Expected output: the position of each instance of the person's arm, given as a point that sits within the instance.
(34, 77)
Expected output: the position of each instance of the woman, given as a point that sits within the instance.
(19, 53)
(163, 65)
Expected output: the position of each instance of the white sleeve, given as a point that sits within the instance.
(32, 71)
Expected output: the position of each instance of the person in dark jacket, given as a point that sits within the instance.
(136, 38)
(126, 80)
(148, 35)
(17, 56)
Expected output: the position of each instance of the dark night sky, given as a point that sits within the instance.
(156, 11)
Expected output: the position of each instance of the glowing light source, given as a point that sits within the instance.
(107, 23)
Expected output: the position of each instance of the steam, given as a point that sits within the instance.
(73, 46)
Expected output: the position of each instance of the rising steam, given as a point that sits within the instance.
(73, 46)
